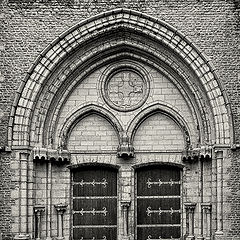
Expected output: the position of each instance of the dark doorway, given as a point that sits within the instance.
(158, 203)
(95, 203)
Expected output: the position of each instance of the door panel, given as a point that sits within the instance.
(104, 233)
(158, 211)
(95, 211)
(158, 203)
(95, 203)
(94, 182)
(158, 233)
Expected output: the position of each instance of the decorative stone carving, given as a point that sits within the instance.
(125, 89)
(125, 149)
(193, 155)
(46, 154)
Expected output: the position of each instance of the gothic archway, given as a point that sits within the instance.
(123, 66)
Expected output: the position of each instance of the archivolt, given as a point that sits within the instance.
(38, 79)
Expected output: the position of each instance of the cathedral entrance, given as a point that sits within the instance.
(121, 89)
(95, 203)
(158, 203)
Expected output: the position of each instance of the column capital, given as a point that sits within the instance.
(61, 208)
(207, 207)
(125, 203)
(39, 209)
(190, 206)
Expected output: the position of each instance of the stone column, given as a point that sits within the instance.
(60, 208)
(207, 210)
(49, 199)
(219, 206)
(38, 210)
(23, 196)
(190, 207)
(201, 190)
(125, 206)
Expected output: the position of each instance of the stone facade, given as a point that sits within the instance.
(122, 85)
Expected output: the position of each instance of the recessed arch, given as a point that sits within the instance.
(167, 110)
(76, 116)
(131, 58)
(38, 78)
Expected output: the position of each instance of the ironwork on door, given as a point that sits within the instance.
(158, 203)
(95, 203)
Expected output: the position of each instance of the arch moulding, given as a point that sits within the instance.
(39, 75)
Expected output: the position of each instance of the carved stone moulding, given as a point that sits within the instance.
(125, 149)
(125, 86)
(45, 154)
(193, 155)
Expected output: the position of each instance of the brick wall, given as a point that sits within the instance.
(7, 185)
(27, 27)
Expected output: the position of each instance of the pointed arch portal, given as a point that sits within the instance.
(130, 34)
(141, 76)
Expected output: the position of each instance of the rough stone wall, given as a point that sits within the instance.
(28, 26)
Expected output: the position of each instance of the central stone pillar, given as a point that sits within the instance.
(125, 206)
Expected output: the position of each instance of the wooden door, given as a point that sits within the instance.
(95, 203)
(158, 203)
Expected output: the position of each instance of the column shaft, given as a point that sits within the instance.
(49, 199)
(24, 193)
(38, 225)
(219, 162)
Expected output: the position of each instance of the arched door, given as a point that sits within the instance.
(158, 203)
(95, 203)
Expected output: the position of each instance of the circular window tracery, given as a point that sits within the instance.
(125, 88)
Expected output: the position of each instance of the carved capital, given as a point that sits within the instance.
(207, 207)
(54, 155)
(125, 149)
(125, 204)
(190, 207)
(60, 208)
(39, 209)
(204, 153)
